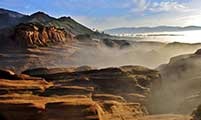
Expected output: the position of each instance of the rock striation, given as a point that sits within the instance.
(33, 35)
(79, 94)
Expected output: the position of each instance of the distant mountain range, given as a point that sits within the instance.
(131, 30)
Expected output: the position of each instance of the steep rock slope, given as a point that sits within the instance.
(71, 25)
(180, 84)
(30, 35)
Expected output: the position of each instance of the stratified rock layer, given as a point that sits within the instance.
(77, 94)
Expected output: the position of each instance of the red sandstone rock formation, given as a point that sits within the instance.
(33, 35)
(81, 94)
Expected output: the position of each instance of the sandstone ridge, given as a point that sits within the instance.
(90, 94)
(33, 35)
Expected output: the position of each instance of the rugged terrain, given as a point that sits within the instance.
(39, 29)
(77, 93)
(38, 82)
(181, 81)
(38, 40)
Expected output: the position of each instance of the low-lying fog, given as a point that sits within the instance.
(168, 37)
(143, 52)
(149, 54)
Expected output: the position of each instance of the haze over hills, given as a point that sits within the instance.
(56, 68)
(132, 30)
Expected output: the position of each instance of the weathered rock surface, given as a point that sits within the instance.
(33, 35)
(77, 94)
(8, 74)
(23, 86)
(47, 71)
(180, 85)
(119, 81)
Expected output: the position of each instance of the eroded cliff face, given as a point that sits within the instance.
(181, 91)
(33, 35)
(77, 93)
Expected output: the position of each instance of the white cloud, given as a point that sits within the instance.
(168, 6)
(140, 5)
(171, 12)
(162, 6)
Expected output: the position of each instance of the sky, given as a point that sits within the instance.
(106, 14)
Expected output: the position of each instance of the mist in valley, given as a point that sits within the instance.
(149, 54)
(179, 91)
(113, 60)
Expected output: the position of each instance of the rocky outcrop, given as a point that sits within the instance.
(8, 74)
(23, 86)
(68, 90)
(180, 85)
(47, 71)
(105, 42)
(127, 83)
(136, 79)
(80, 93)
(116, 43)
(33, 35)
